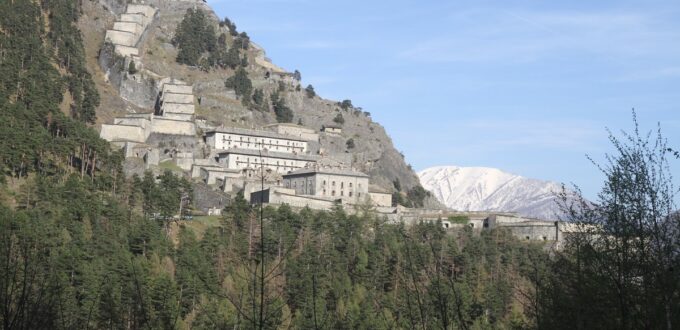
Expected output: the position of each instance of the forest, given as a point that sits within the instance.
(82, 246)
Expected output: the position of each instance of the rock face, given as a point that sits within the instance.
(371, 152)
(490, 189)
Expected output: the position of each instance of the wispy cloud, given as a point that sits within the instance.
(561, 134)
(494, 34)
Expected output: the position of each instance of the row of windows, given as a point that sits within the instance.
(342, 193)
(228, 138)
(256, 160)
(342, 184)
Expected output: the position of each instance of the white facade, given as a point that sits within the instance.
(381, 199)
(350, 186)
(278, 162)
(332, 129)
(211, 174)
(224, 139)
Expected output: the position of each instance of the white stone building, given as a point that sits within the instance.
(298, 131)
(246, 139)
(380, 197)
(280, 162)
(348, 185)
(332, 129)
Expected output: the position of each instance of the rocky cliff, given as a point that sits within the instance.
(372, 150)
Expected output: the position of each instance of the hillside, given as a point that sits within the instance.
(490, 189)
(372, 150)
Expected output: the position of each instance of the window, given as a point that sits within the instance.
(333, 183)
(324, 182)
(359, 195)
(324, 192)
(350, 194)
(342, 193)
(333, 193)
(342, 185)
(350, 185)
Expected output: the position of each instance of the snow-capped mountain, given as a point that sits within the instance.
(490, 189)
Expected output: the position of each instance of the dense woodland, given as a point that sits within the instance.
(81, 246)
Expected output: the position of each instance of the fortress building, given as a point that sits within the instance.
(281, 162)
(348, 185)
(247, 139)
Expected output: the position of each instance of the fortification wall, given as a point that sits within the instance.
(135, 28)
(281, 197)
(380, 199)
(122, 132)
(178, 116)
(533, 231)
(134, 18)
(173, 127)
(178, 98)
(176, 88)
(121, 38)
(186, 108)
(145, 10)
(144, 123)
(127, 51)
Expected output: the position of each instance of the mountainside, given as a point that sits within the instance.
(490, 189)
(247, 103)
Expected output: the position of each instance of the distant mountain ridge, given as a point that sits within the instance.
(490, 189)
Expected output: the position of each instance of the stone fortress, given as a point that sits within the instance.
(275, 164)
(264, 162)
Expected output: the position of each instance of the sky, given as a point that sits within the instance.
(529, 87)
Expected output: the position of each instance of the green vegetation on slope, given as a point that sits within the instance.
(43, 130)
(83, 247)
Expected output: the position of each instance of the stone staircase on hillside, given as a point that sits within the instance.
(127, 31)
(175, 116)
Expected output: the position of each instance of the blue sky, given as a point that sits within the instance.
(525, 86)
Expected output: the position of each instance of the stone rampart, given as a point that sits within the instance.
(145, 10)
(121, 38)
(185, 108)
(173, 127)
(127, 51)
(134, 28)
(142, 122)
(123, 133)
(177, 98)
(134, 18)
(177, 88)
(178, 116)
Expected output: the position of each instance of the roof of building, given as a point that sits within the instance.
(252, 132)
(291, 125)
(211, 168)
(271, 154)
(333, 171)
(332, 126)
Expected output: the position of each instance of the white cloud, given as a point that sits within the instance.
(492, 35)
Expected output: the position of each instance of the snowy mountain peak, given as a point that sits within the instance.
(490, 189)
